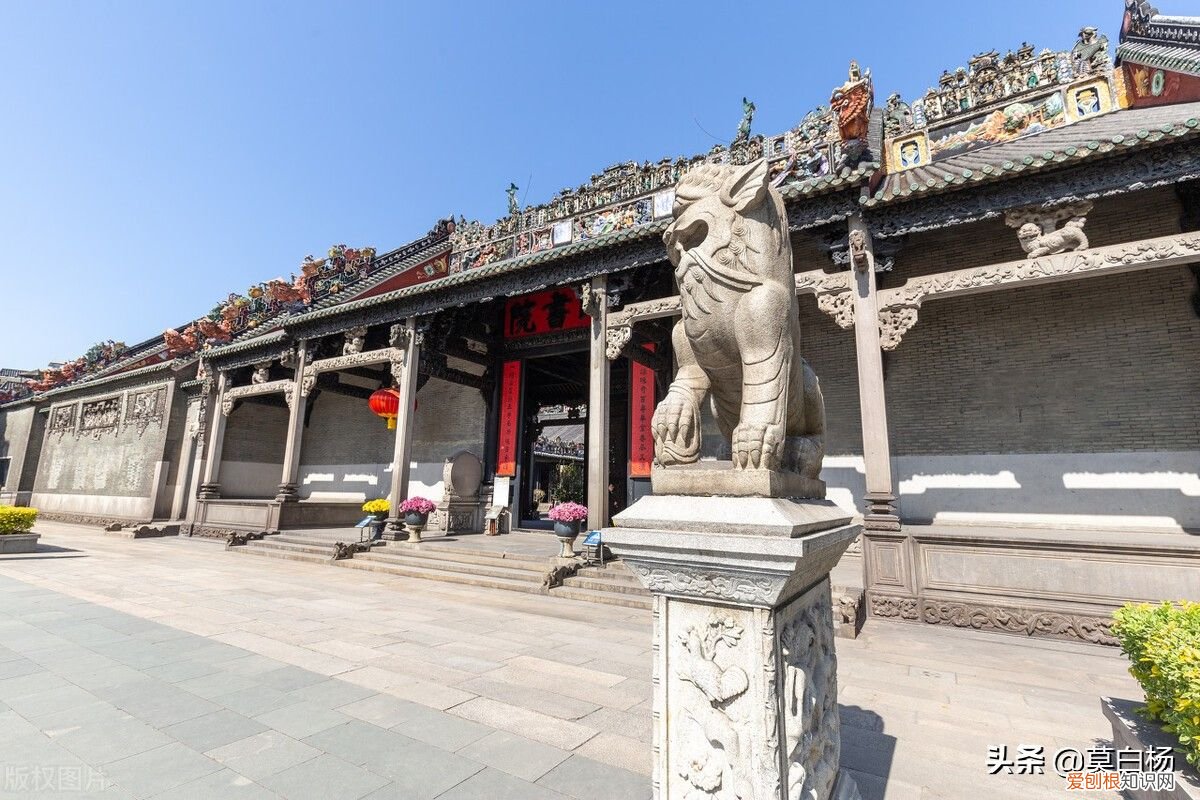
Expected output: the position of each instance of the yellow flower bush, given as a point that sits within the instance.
(1163, 642)
(379, 506)
(16, 520)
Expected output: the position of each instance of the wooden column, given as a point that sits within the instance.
(405, 414)
(288, 487)
(210, 487)
(880, 496)
(597, 410)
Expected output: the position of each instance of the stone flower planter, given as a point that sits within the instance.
(18, 542)
(415, 523)
(567, 533)
(1131, 730)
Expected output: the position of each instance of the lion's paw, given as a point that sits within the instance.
(757, 445)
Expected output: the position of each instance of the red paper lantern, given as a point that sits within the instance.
(386, 403)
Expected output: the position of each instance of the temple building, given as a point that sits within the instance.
(998, 286)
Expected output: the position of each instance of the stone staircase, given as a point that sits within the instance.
(314, 547)
(612, 584)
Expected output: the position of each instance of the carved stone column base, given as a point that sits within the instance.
(744, 668)
(881, 512)
(288, 493)
(394, 531)
(210, 491)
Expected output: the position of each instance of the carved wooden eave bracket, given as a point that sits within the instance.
(286, 387)
(391, 355)
(898, 308)
(833, 291)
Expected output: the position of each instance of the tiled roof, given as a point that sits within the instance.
(1177, 58)
(1089, 139)
(499, 267)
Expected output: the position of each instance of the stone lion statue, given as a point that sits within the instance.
(1069, 237)
(738, 342)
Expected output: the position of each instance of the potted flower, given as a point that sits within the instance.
(567, 519)
(416, 512)
(15, 524)
(378, 508)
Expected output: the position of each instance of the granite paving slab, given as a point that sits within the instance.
(187, 672)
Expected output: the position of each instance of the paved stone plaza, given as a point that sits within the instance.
(176, 669)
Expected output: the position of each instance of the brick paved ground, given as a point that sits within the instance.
(176, 669)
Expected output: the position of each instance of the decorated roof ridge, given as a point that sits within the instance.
(1142, 21)
(991, 81)
(388, 266)
(1160, 42)
(1089, 139)
(267, 303)
(461, 277)
(59, 391)
(830, 143)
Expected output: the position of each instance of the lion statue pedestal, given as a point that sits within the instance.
(737, 553)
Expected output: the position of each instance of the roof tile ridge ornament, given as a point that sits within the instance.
(991, 80)
(818, 153)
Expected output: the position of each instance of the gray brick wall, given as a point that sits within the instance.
(255, 433)
(1092, 365)
(1140, 215)
(450, 417)
(829, 350)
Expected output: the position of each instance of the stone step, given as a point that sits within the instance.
(605, 597)
(291, 538)
(310, 556)
(270, 544)
(614, 571)
(497, 570)
(408, 570)
(615, 585)
(462, 555)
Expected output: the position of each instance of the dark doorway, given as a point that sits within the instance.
(554, 444)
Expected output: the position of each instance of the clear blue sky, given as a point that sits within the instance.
(157, 156)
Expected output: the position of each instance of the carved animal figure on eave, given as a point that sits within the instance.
(181, 344)
(738, 341)
(212, 330)
(1069, 237)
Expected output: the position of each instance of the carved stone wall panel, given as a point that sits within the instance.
(145, 408)
(98, 417)
(980, 617)
(62, 419)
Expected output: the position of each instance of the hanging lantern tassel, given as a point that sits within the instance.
(386, 403)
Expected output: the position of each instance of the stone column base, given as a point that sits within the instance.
(210, 491)
(394, 531)
(288, 493)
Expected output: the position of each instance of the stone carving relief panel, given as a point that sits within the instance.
(100, 416)
(711, 656)
(143, 408)
(62, 419)
(809, 712)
